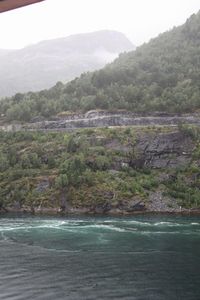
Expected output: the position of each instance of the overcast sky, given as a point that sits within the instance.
(139, 20)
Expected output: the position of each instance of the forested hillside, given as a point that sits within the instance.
(163, 75)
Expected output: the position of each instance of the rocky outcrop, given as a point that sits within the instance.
(104, 120)
(157, 202)
(93, 119)
(124, 181)
(163, 150)
(43, 185)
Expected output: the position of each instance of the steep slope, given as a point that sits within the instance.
(42, 65)
(162, 75)
(103, 170)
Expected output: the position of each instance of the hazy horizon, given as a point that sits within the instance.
(139, 21)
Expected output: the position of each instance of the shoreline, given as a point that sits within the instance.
(87, 212)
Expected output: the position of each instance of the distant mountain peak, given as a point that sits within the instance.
(159, 76)
(41, 65)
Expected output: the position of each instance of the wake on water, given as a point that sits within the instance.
(95, 224)
(154, 257)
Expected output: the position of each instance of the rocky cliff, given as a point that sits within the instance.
(95, 119)
(102, 170)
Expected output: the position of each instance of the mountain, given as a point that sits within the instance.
(41, 65)
(162, 75)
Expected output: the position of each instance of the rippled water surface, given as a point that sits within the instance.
(140, 257)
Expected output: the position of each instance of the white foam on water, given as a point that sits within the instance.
(81, 226)
(170, 224)
(167, 224)
(103, 226)
(159, 232)
(137, 222)
(15, 228)
(9, 226)
(59, 226)
(131, 229)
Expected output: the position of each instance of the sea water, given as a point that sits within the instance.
(135, 257)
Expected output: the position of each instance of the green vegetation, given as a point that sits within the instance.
(162, 75)
(87, 168)
(96, 167)
(40, 168)
(191, 131)
(61, 58)
(184, 183)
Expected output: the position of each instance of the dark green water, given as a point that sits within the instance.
(140, 257)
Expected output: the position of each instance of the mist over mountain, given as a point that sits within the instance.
(162, 75)
(41, 65)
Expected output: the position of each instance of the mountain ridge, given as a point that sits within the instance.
(41, 65)
(162, 75)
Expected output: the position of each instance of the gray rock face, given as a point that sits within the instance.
(43, 185)
(158, 202)
(104, 119)
(160, 150)
(93, 119)
(164, 150)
